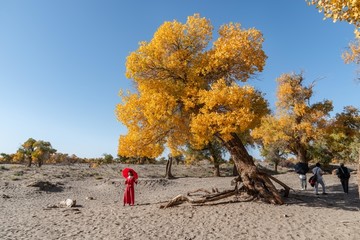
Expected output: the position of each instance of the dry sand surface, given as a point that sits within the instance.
(29, 200)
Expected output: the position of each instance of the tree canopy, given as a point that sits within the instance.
(297, 122)
(188, 91)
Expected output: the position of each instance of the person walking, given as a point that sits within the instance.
(344, 174)
(319, 173)
(302, 168)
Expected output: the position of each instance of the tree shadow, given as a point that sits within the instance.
(335, 198)
(47, 186)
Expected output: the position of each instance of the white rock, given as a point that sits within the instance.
(70, 203)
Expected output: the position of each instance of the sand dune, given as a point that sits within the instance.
(30, 197)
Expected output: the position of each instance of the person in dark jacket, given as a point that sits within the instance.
(302, 168)
(344, 174)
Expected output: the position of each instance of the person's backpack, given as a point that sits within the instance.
(312, 180)
(343, 173)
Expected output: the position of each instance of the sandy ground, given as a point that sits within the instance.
(30, 212)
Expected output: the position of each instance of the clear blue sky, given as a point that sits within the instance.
(62, 63)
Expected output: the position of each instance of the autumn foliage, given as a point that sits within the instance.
(343, 10)
(297, 123)
(187, 90)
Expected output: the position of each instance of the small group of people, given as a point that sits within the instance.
(342, 172)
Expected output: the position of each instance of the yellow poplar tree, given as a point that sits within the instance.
(189, 92)
(296, 122)
(343, 10)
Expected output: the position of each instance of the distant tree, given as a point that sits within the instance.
(26, 150)
(275, 153)
(42, 152)
(108, 158)
(38, 151)
(63, 158)
(5, 158)
(213, 152)
(342, 137)
(122, 159)
(296, 122)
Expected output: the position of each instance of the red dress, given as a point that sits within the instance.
(129, 194)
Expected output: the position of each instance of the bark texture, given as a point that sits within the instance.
(256, 183)
(168, 173)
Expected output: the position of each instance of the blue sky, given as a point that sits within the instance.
(62, 63)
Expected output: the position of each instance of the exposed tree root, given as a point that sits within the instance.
(181, 199)
(214, 190)
(215, 195)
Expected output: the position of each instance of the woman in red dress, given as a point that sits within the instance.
(129, 194)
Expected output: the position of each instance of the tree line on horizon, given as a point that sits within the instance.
(39, 152)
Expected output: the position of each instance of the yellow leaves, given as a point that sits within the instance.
(227, 109)
(180, 98)
(297, 122)
(236, 54)
(271, 130)
(292, 96)
(132, 145)
(353, 53)
(342, 10)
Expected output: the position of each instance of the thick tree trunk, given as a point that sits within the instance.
(168, 173)
(301, 153)
(358, 173)
(255, 182)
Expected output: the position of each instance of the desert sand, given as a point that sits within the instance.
(30, 209)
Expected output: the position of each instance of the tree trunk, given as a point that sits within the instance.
(276, 167)
(358, 173)
(29, 161)
(168, 173)
(215, 159)
(216, 169)
(301, 153)
(255, 182)
(235, 171)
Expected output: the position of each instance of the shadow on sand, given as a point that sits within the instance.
(335, 198)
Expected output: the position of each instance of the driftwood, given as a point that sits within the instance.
(215, 196)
